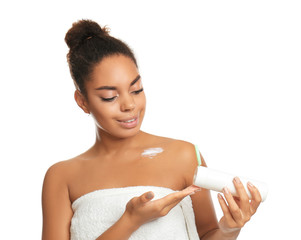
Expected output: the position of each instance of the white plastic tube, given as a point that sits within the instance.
(216, 180)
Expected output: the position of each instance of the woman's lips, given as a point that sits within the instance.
(129, 122)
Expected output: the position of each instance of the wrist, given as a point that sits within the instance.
(228, 232)
(129, 222)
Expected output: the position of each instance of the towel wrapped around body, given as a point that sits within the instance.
(96, 211)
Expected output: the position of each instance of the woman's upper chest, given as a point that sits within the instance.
(149, 167)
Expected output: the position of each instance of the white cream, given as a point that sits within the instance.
(151, 152)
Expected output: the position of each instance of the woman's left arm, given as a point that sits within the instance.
(237, 210)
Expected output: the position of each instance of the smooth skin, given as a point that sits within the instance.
(115, 161)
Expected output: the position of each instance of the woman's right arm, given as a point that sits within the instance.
(56, 205)
(140, 210)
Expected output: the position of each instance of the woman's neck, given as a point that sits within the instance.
(110, 145)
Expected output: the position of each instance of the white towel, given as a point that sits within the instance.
(95, 212)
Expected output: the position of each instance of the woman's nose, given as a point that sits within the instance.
(127, 103)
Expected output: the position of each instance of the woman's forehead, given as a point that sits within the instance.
(114, 71)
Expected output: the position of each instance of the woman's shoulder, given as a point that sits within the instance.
(185, 154)
(182, 147)
(180, 150)
(179, 155)
(63, 170)
(184, 157)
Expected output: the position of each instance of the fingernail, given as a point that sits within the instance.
(149, 195)
(250, 184)
(220, 196)
(195, 191)
(226, 190)
(193, 188)
(237, 180)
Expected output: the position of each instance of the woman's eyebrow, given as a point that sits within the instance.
(114, 88)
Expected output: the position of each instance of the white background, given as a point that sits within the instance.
(222, 74)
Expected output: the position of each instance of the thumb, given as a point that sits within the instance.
(146, 197)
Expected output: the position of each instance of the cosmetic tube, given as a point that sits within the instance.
(216, 180)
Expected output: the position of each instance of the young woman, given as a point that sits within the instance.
(129, 184)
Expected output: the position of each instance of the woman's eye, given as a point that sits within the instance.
(113, 98)
(138, 91)
(108, 99)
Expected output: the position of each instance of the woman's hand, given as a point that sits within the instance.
(239, 210)
(140, 210)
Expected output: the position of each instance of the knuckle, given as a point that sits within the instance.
(158, 209)
(258, 196)
(232, 225)
(131, 202)
(247, 217)
(244, 198)
(177, 197)
(258, 199)
(240, 224)
(236, 210)
(253, 211)
(163, 213)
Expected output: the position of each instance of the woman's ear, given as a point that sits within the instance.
(81, 101)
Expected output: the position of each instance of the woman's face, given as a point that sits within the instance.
(115, 96)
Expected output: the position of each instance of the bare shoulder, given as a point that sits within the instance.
(187, 152)
(183, 150)
(62, 170)
(185, 156)
(181, 156)
(59, 176)
(184, 153)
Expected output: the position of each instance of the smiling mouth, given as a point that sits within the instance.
(128, 121)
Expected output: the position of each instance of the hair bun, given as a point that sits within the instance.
(83, 30)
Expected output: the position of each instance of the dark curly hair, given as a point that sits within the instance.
(88, 44)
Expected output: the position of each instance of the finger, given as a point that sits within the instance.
(237, 200)
(178, 196)
(191, 190)
(244, 203)
(146, 197)
(176, 201)
(233, 207)
(171, 204)
(256, 197)
(226, 211)
(173, 199)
